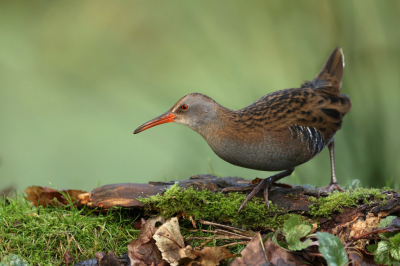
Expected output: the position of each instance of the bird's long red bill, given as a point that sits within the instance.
(162, 119)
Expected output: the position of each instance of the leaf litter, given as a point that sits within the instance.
(294, 244)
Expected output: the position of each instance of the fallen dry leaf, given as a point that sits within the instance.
(99, 256)
(170, 241)
(360, 257)
(143, 250)
(253, 253)
(269, 253)
(276, 254)
(139, 224)
(109, 260)
(43, 196)
(208, 256)
(356, 260)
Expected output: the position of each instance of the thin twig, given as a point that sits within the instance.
(388, 229)
(193, 222)
(308, 253)
(234, 229)
(202, 230)
(220, 231)
(235, 243)
(215, 237)
(206, 242)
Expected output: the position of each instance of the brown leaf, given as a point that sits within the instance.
(99, 256)
(139, 224)
(208, 256)
(269, 253)
(169, 241)
(253, 253)
(360, 257)
(68, 258)
(43, 196)
(143, 250)
(276, 255)
(109, 260)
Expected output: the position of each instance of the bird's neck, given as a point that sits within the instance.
(221, 124)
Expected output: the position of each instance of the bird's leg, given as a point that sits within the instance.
(334, 184)
(264, 184)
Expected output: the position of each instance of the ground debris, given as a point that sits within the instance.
(108, 259)
(355, 219)
(43, 196)
(68, 259)
(268, 253)
(165, 246)
(143, 250)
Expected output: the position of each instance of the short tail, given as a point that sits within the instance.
(329, 79)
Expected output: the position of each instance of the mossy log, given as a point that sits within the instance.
(345, 214)
(294, 199)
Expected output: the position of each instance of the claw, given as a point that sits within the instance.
(264, 184)
(329, 188)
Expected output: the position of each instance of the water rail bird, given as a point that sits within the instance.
(278, 132)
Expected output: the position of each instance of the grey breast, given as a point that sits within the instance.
(272, 150)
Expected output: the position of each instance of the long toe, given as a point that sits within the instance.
(264, 184)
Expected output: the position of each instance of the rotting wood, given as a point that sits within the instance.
(289, 198)
(349, 224)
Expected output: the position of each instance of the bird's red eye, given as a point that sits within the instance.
(184, 107)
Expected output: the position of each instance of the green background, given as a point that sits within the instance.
(78, 77)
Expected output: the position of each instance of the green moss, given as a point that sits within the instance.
(338, 201)
(217, 207)
(42, 235)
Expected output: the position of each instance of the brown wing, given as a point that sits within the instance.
(317, 104)
(311, 108)
(305, 106)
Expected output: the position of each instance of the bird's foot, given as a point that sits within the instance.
(264, 184)
(329, 188)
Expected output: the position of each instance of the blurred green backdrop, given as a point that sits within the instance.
(77, 77)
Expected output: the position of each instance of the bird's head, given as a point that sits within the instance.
(194, 110)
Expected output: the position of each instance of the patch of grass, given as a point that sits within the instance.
(338, 201)
(42, 235)
(216, 207)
